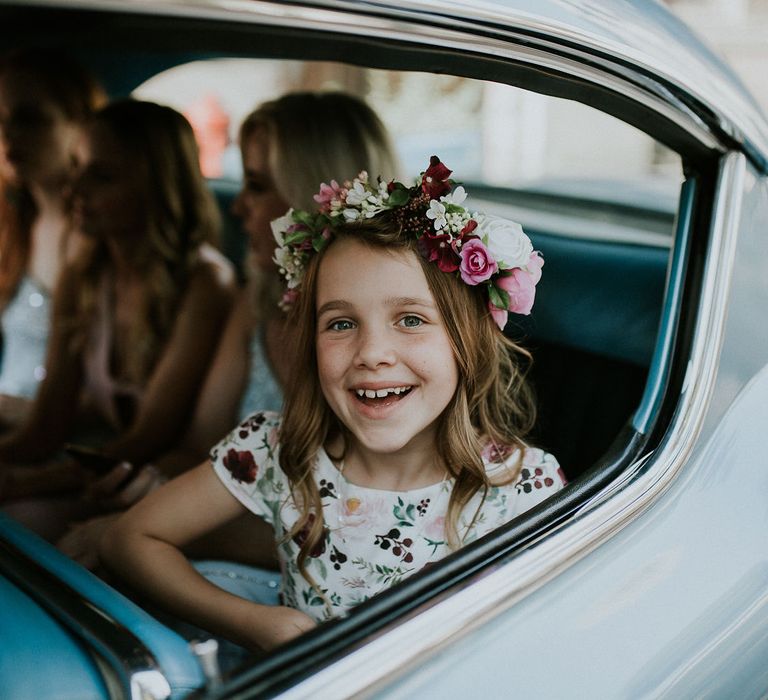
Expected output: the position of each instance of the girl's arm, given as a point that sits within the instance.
(53, 412)
(174, 384)
(216, 411)
(144, 547)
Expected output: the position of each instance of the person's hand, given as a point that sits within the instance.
(123, 485)
(276, 625)
(81, 542)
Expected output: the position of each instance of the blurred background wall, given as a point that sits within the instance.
(738, 31)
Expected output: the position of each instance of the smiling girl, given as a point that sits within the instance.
(402, 440)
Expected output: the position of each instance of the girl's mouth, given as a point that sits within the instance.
(382, 397)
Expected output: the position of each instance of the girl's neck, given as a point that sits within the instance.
(48, 236)
(408, 469)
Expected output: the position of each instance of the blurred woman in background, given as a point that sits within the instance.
(138, 313)
(45, 99)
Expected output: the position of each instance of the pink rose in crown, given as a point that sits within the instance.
(498, 315)
(521, 285)
(535, 263)
(477, 263)
(327, 194)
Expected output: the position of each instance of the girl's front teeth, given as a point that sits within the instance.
(380, 393)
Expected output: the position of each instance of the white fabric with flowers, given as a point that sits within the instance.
(373, 538)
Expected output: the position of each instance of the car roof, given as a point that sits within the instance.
(637, 36)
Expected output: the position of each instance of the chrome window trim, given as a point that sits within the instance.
(633, 85)
(404, 645)
(662, 355)
(133, 669)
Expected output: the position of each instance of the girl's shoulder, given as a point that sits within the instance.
(247, 462)
(250, 448)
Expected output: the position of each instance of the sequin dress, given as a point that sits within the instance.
(25, 327)
(262, 392)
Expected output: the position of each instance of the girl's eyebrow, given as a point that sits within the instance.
(409, 301)
(334, 305)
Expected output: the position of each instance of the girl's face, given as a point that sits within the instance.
(385, 362)
(37, 140)
(258, 203)
(108, 199)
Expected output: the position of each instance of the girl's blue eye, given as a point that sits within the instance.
(411, 321)
(341, 325)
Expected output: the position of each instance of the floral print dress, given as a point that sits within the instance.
(373, 538)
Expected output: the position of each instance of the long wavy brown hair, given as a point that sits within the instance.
(179, 215)
(492, 405)
(77, 93)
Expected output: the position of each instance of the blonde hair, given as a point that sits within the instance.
(316, 137)
(179, 213)
(75, 91)
(492, 404)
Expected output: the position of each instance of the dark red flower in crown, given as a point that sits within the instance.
(439, 249)
(241, 465)
(434, 182)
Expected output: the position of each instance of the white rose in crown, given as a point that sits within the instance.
(505, 240)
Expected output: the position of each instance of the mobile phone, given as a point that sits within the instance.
(92, 458)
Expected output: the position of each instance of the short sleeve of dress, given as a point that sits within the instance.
(540, 477)
(247, 463)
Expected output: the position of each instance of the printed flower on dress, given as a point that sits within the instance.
(531, 479)
(397, 544)
(301, 537)
(251, 425)
(241, 465)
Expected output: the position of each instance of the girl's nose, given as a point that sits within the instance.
(374, 348)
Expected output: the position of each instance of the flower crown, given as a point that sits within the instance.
(483, 250)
